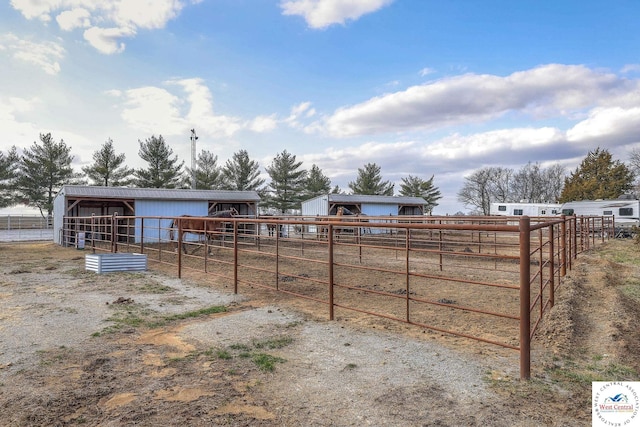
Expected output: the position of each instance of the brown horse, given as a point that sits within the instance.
(201, 226)
(323, 230)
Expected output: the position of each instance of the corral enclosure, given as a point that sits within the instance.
(484, 278)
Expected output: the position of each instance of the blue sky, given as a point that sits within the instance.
(418, 87)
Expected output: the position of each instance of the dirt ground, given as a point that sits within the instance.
(148, 349)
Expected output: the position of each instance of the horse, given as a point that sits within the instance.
(201, 225)
(323, 230)
(271, 227)
(343, 212)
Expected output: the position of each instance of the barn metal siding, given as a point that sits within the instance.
(379, 209)
(154, 228)
(316, 206)
(58, 217)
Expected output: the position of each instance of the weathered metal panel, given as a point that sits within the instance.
(159, 193)
(316, 206)
(106, 263)
(154, 228)
(58, 216)
(380, 209)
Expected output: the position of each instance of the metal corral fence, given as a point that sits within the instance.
(490, 279)
(25, 227)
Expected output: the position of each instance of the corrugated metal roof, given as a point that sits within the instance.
(362, 198)
(157, 193)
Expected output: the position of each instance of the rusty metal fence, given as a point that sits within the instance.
(490, 279)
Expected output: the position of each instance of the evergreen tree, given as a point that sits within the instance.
(316, 183)
(208, 174)
(370, 182)
(416, 187)
(44, 168)
(287, 182)
(8, 173)
(242, 174)
(107, 168)
(597, 177)
(163, 170)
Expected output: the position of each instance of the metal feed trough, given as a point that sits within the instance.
(111, 262)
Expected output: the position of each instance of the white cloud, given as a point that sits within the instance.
(74, 18)
(630, 68)
(153, 110)
(148, 14)
(35, 9)
(15, 131)
(263, 124)
(45, 55)
(158, 110)
(426, 71)
(541, 92)
(323, 13)
(494, 143)
(302, 110)
(201, 110)
(108, 21)
(611, 126)
(106, 40)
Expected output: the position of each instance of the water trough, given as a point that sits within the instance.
(110, 262)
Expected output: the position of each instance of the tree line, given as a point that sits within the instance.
(34, 177)
(598, 176)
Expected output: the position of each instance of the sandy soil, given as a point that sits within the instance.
(146, 348)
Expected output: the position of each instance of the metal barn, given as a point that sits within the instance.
(328, 204)
(81, 201)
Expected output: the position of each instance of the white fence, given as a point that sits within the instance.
(24, 228)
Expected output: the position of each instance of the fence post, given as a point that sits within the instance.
(93, 233)
(552, 266)
(525, 298)
(330, 244)
(407, 272)
(142, 235)
(114, 234)
(563, 247)
(235, 257)
(179, 246)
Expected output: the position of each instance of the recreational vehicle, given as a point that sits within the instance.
(624, 211)
(528, 209)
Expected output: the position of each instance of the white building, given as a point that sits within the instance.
(528, 209)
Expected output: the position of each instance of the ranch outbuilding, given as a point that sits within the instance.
(328, 204)
(82, 201)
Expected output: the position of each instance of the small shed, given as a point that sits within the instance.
(328, 204)
(81, 201)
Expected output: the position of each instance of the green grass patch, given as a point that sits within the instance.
(224, 355)
(242, 347)
(188, 315)
(631, 290)
(266, 362)
(273, 343)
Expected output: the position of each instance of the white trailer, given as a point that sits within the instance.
(624, 211)
(528, 209)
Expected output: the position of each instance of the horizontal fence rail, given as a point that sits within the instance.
(490, 279)
(25, 228)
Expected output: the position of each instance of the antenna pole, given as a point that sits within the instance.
(194, 138)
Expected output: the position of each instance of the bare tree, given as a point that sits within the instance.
(476, 191)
